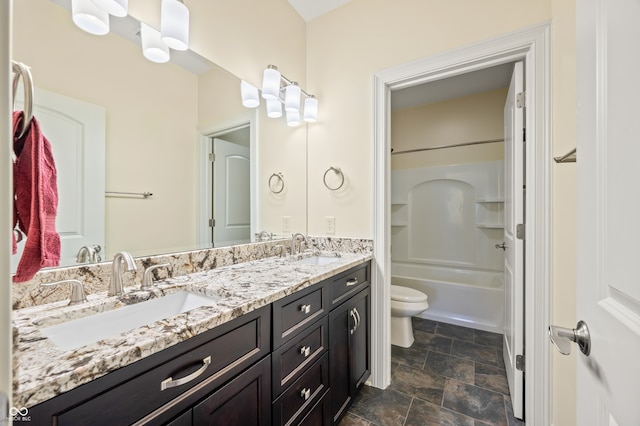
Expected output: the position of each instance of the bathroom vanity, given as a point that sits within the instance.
(274, 354)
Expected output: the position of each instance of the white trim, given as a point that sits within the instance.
(532, 46)
(6, 193)
(204, 202)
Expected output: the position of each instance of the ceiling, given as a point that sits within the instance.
(311, 9)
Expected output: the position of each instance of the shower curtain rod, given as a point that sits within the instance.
(446, 146)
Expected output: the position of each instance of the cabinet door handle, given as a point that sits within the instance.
(352, 281)
(355, 311)
(305, 393)
(305, 350)
(305, 309)
(170, 383)
(355, 321)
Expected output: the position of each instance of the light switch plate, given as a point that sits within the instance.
(286, 224)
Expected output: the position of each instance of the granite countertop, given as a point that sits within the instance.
(43, 371)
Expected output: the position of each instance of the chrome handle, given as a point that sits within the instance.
(305, 350)
(502, 246)
(147, 278)
(355, 311)
(352, 313)
(170, 383)
(305, 309)
(562, 337)
(352, 281)
(305, 393)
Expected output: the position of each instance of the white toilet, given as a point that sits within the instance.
(405, 303)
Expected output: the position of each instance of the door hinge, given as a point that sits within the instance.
(212, 157)
(520, 362)
(212, 223)
(521, 99)
(520, 231)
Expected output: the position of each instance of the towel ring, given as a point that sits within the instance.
(21, 70)
(280, 178)
(337, 171)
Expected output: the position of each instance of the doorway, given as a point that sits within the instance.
(531, 47)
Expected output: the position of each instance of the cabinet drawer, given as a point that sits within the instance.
(296, 312)
(320, 414)
(202, 369)
(295, 402)
(291, 359)
(349, 283)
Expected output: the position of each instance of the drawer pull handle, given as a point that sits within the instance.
(306, 393)
(305, 309)
(352, 281)
(305, 350)
(170, 383)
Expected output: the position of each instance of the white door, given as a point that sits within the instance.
(608, 211)
(231, 200)
(76, 131)
(513, 345)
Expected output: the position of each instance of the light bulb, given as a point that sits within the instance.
(311, 109)
(274, 108)
(89, 17)
(152, 46)
(271, 83)
(250, 96)
(292, 98)
(174, 24)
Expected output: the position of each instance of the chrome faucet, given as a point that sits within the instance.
(115, 286)
(294, 238)
(77, 290)
(89, 254)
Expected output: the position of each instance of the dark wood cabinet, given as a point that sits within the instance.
(300, 360)
(350, 350)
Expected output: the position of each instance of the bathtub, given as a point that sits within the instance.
(470, 298)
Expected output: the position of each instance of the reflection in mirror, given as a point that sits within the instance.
(148, 118)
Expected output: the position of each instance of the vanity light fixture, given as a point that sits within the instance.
(113, 7)
(277, 90)
(174, 24)
(89, 17)
(153, 48)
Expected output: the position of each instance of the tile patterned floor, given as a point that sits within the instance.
(451, 376)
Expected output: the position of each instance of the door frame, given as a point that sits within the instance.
(531, 45)
(203, 200)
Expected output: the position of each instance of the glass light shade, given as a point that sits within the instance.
(174, 24)
(293, 118)
(153, 47)
(271, 83)
(89, 17)
(250, 96)
(292, 98)
(311, 109)
(113, 7)
(274, 108)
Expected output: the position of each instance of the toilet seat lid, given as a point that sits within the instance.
(406, 294)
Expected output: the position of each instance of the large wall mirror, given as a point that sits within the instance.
(155, 126)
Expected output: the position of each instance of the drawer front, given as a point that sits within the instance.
(320, 414)
(292, 358)
(349, 283)
(294, 313)
(295, 403)
(187, 377)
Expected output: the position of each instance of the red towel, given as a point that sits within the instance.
(36, 199)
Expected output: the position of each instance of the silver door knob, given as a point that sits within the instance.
(562, 337)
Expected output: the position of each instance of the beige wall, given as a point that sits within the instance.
(467, 119)
(140, 97)
(348, 45)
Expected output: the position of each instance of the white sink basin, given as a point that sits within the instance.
(82, 331)
(318, 260)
